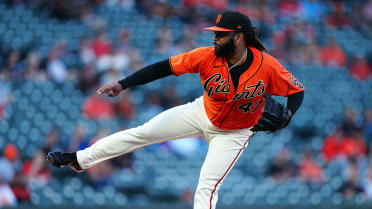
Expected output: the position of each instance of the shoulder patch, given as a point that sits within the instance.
(296, 83)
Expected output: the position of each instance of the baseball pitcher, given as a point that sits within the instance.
(238, 78)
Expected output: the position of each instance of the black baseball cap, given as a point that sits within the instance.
(232, 21)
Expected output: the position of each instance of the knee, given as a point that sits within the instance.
(206, 185)
(142, 134)
(138, 132)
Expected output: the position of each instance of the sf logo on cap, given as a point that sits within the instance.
(218, 18)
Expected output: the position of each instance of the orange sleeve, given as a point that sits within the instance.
(188, 62)
(282, 82)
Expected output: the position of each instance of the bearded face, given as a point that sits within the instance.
(226, 49)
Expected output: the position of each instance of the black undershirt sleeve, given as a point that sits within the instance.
(294, 101)
(162, 69)
(147, 74)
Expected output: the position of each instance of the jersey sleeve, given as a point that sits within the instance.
(282, 82)
(189, 62)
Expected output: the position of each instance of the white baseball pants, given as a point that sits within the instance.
(183, 121)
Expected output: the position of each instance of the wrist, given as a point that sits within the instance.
(289, 118)
(122, 83)
(290, 113)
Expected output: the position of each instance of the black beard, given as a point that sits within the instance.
(226, 49)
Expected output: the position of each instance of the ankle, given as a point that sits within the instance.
(70, 156)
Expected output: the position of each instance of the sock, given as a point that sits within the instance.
(71, 156)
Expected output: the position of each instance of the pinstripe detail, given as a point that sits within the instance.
(228, 169)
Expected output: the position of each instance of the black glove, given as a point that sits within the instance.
(274, 116)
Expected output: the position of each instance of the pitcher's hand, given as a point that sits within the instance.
(112, 89)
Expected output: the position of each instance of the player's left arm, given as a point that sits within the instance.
(275, 116)
(286, 85)
(281, 83)
(294, 101)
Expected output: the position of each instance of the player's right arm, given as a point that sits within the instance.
(188, 62)
(145, 75)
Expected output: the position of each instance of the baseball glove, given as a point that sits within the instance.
(274, 116)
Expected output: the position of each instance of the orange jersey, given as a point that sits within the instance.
(229, 108)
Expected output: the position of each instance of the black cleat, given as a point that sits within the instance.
(61, 159)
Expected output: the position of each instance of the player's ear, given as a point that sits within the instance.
(237, 38)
